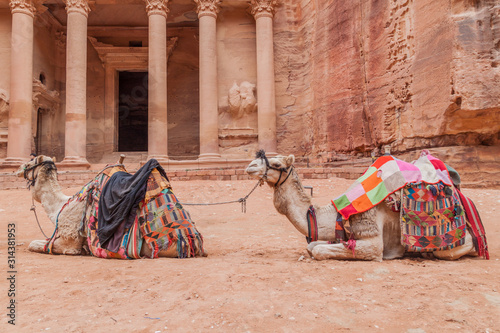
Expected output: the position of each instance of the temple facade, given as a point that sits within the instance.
(215, 80)
(86, 80)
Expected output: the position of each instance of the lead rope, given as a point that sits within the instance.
(243, 200)
(33, 208)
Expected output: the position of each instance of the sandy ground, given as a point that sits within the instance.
(252, 280)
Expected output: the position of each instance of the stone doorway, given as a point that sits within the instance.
(42, 134)
(132, 111)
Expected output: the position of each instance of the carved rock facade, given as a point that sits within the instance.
(355, 76)
(350, 76)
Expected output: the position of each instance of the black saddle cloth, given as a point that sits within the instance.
(118, 203)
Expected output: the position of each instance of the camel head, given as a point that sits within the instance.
(41, 165)
(274, 169)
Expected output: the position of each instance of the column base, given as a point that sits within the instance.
(74, 162)
(12, 163)
(159, 158)
(209, 156)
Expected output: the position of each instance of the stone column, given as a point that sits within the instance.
(157, 80)
(21, 83)
(263, 12)
(75, 142)
(209, 109)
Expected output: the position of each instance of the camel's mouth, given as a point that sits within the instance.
(254, 170)
(20, 171)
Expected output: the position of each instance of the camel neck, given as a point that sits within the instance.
(48, 192)
(291, 201)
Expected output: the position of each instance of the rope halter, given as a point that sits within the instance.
(262, 155)
(31, 181)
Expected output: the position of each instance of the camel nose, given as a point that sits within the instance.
(252, 168)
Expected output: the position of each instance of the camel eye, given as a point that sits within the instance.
(276, 165)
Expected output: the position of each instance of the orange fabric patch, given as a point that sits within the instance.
(371, 182)
(362, 203)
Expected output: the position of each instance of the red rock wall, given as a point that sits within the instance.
(356, 75)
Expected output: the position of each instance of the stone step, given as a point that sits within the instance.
(80, 178)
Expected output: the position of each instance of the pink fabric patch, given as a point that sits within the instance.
(355, 193)
(403, 166)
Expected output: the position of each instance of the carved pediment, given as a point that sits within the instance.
(123, 55)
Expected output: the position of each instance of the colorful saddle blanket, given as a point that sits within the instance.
(384, 177)
(160, 221)
(432, 218)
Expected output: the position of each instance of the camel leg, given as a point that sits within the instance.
(37, 246)
(459, 251)
(366, 249)
(60, 246)
(311, 246)
(170, 252)
(68, 246)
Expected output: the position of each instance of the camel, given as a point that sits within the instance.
(41, 174)
(377, 231)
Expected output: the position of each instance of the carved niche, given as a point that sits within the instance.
(241, 99)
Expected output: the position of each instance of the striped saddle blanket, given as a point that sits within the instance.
(432, 217)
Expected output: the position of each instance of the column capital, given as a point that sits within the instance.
(78, 6)
(22, 6)
(207, 7)
(262, 8)
(157, 7)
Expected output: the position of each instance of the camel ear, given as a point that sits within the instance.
(289, 160)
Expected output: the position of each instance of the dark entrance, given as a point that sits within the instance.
(133, 111)
(42, 133)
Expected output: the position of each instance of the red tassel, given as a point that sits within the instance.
(351, 245)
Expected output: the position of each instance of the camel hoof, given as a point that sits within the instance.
(312, 245)
(37, 246)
